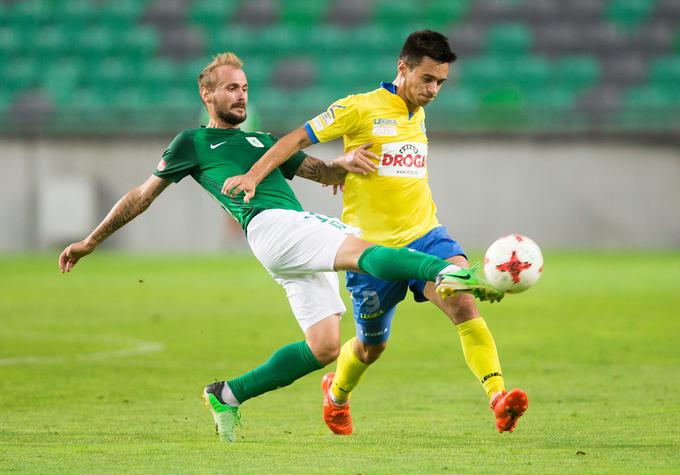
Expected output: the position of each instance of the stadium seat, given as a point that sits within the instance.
(530, 72)
(577, 72)
(481, 73)
(212, 15)
(394, 14)
(53, 41)
(138, 42)
(665, 71)
(303, 13)
(628, 13)
(444, 13)
(509, 39)
(523, 58)
(20, 73)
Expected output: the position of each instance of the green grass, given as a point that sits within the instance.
(594, 344)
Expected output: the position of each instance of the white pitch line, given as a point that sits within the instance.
(135, 347)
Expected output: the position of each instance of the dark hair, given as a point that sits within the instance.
(426, 43)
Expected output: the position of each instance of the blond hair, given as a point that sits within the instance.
(207, 79)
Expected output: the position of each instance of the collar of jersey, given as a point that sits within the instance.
(391, 87)
(220, 130)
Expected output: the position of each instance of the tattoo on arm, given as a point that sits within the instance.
(127, 208)
(319, 171)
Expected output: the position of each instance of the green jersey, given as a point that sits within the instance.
(211, 156)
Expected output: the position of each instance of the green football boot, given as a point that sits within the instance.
(226, 417)
(467, 280)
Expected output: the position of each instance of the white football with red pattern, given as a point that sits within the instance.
(513, 263)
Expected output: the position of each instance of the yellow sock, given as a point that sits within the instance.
(348, 372)
(481, 355)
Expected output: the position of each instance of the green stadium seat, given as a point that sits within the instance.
(281, 40)
(158, 72)
(20, 73)
(457, 99)
(140, 42)
(97, 41)
(29, 14)
(629, 13)
(122, 13)
(329, 40)
(259, 70)
(238, 39)
(372, 40)
(53, 41)
(650, 107)
(509, 39)
(393, 14)
(303, 13)
(549, 99)
(211, 14)
(482, 72)
(445, 12)
(531, 72)
(575, 73)
(78, 12)
(112, 73)
(341, 72)
(665, 71)
(12, 42)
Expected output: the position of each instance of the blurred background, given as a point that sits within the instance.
(561, 119)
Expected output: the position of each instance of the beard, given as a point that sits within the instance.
(231, 117)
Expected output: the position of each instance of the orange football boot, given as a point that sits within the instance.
(508, 407)
(337, 418)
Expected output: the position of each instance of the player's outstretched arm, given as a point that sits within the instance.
(359, 160)
(128, 207)
(275, 156)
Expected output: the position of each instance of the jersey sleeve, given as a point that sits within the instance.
(179, 159)
(290, 166)
(338, 120)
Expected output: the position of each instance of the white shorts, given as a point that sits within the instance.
(298, 248)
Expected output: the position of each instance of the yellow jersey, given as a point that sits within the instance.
(393, 205)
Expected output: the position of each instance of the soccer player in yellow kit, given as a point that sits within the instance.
(392, 205)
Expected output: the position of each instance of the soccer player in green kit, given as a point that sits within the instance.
(301, 250)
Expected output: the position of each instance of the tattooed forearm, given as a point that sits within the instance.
(127, 208)
(320, 171)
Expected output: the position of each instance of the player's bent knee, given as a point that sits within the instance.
(326, 354)
(370, 353)
(324, 350)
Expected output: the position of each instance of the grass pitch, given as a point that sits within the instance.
(101, 371)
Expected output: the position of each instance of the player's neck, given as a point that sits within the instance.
(217, 123)
(398, 81)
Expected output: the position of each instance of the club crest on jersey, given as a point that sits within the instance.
(255, 142)
(161, 165)
(404, 159)
(384, 127)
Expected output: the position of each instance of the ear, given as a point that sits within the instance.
(206, 94)
(402, 67)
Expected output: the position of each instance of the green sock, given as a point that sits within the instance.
(284, 366)
(388, 263)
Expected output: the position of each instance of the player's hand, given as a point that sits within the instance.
(236, 184)
(360, 160)
(337, 188)
(72, 254)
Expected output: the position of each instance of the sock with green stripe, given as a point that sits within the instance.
(392, 264)
(284, 366)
